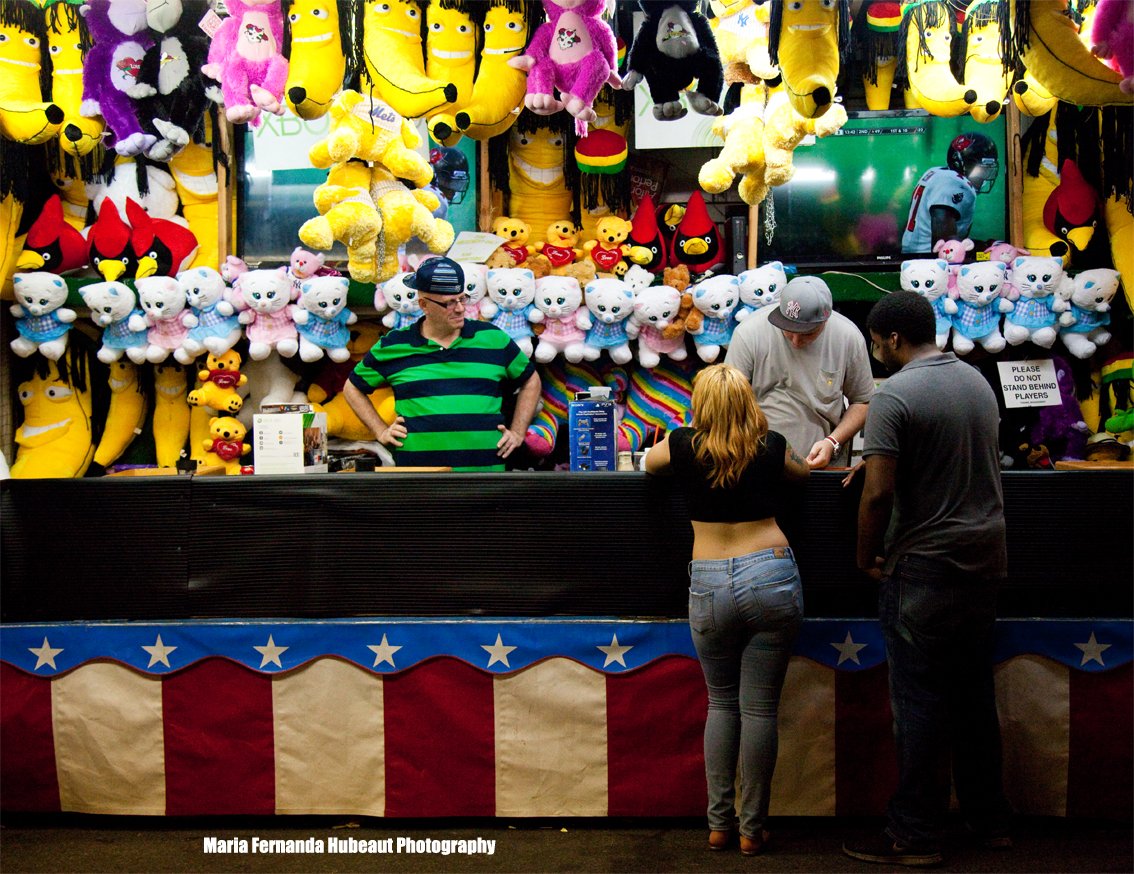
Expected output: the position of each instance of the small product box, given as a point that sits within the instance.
(592, 424)
(290, 438)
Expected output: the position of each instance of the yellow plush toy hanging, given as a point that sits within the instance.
(195, 178)
(25, 117)
(530, 165)
(983, 33)
(394, 62)
(68, 42)
(740, 28)
(875, 48)
(320, 44)
(928, 29)
(450, 55)
(1031, 98)
(805, 39)
(742, 131)
(347, 215)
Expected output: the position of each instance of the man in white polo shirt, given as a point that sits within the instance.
(810, 370)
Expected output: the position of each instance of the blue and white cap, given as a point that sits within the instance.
(438, 276)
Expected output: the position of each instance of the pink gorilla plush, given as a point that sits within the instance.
(1112, 32)
(245, 58)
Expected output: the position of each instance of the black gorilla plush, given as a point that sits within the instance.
(673, 47)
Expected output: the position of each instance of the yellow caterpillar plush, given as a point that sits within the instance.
(984, 71)
(25, 117)
(125, 415)
(318, 39)
(393, 58)
(805, 39)
(450, 56)
(67, 40)
(928, 29)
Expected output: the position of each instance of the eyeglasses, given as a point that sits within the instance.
(460, 300)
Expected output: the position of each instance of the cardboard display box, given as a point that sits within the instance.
(592, 427)
(290, 441)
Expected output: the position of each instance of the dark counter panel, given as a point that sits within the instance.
(515, 544)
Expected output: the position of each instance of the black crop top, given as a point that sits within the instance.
(753, 498)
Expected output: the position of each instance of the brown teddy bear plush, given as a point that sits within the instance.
(688, 317)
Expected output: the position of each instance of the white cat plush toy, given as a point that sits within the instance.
(760, 288)
(114, 308)
(401, 301)
(929, 277)
(609, 305)
(979, 305)
(476, 287)
(321, 318)
(509, 305)
(218, 326)
(1037, 279)
(265, 296)
(1083, 328)
(638, 278)
(41, 319)
(169, 321)
(716, 297)
(557, 302)
(654, 308)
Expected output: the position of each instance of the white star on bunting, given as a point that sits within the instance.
(159, 653)
(271, 653)
(383, 652)
(614, 652)
(45, 655)
(848, 649)
(498, 652)
(1092, 651)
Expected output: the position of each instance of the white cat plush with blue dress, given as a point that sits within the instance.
(1037, 279)
(510, 304)
(401, 301)
(41, 319)
(760, 288)
(218, 325)
(929, 277)
(321, 318)
(610, 302)
(716, 298)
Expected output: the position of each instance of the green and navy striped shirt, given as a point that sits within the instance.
(452, 398)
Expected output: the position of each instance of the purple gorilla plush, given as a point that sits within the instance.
(112, 67)
(245, 58)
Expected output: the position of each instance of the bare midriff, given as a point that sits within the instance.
(713, 540)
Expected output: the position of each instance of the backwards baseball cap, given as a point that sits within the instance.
(805, 304)
(438, 276)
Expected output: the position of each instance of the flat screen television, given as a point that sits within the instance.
(848, 203)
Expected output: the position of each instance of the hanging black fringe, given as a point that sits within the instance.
(776, 20)
(1032, 144)
(1117, 136)
(982, 16)
(867, 45)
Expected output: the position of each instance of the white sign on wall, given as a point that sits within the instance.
(1029, 383)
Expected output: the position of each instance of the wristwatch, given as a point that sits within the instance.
(835, 443)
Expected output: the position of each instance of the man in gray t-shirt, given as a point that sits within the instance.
(809, 369)
(931, 531)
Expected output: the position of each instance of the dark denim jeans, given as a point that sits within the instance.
(938, 624)
(744, 614)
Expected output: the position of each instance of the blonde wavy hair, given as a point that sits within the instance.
(731, 428)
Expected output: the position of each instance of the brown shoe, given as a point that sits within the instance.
(755, 845)
(720, 840)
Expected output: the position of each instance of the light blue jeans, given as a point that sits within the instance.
(744, 614)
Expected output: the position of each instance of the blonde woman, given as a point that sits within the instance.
(745, 601)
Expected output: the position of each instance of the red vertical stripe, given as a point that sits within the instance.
(440, 741)
(655, 727)
(219, 747)
(28, 780)
(866, 766)
(1100, 778)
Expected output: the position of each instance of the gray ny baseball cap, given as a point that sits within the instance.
(805, 304)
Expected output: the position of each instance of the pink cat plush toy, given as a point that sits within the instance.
(245, 58)
(573, 51)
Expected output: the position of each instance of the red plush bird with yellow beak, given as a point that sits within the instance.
(1072, 211)
(161, 247)
(52, 245)
(108, 244)
(647, 247)
(697, 243)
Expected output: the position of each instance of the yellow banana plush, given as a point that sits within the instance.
(125, 415)
(536, 179)
(66, 37)
(928, 28)
(54, 440)
(450, 56)
(1050, 47)
(394, 62)
(196, 184)
(25, 117)
(320, 41)
(171, 412)
(985, 21)
(1120, 227)
(805, 39)
(11, 243)
(499, 89)
(1031, 98)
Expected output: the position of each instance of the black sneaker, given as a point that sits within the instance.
(887, 851)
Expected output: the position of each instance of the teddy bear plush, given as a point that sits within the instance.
(218, 327)
(114, 308)
(225, 444)
(347, 215)
(321, 318)
(245, 57)
(510, 304)
(42, 321)
(609, 248)
(979, 290)
(654, 308)
(220, 379)
(953, 251)
(610, 303)
(167, 318)
(264, 297)
(688, 317)
(401, 301)
(1037, 279)
(558, 300)
(1083, 328)
(759, 288)
(302, 265)
(561, 246)
(515, 233)
(930, 278)
(716, 298)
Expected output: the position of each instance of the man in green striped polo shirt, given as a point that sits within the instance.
(448, 376)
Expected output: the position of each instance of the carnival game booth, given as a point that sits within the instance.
(208, 214)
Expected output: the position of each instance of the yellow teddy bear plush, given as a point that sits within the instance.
(405, 213)
(348, 215)
(225, 444)
(366, 128)
(219, 381)
(609, 249)
(743, 154)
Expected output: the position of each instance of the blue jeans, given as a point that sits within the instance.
(938, 624)
(744, 614)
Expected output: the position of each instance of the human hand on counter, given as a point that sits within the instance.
(820, 455)
(853, 472)
(508, 441)
(394, 434)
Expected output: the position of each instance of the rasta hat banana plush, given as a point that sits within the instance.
(806, 39)
(394, 63)
(874, 49)
(926, 37)
(321, 49)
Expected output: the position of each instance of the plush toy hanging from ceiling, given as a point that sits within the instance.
(394, 60)
(69, 42)
(874, 49)
(52, 244)
(1030, 97)
(194, 175)
(498, 92)
(1112, 38)
(985, 37)
(451, 52)
(1047, 42)
(806, 39)
(573, 52)
(322, 53)
(740, 28)
(926, 36)
(245, 58)
(25, 116)
(673, 49)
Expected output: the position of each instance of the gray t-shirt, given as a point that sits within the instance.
(802, 391)
(938, 417)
